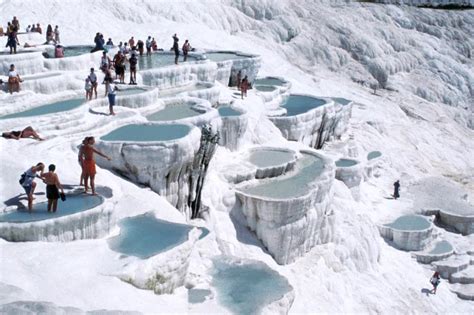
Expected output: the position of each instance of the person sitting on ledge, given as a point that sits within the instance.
(28, 132)
(13, 80)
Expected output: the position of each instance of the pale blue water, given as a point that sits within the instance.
(144, 236)
(157, 60)
(131, 91)
(299, 104)
(265, 88)
(226, 111)
(441, 247)
(269, 81)
(196, 296)
(71, 51)
(373, 155)
(345, 163)
(247, 288)
(309, 167)
(266, 158)
(142, 132)
(73, 204)
(57, 107)
(410, 223)
(222, 56)
(174, 112)
(340, 100)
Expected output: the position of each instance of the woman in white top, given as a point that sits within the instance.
(111, 95)
(13, 80)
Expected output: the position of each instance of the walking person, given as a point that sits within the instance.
(111, 96)
(175, 48)
(89, 163)
(396, 190)
(93, 79)
(435, 281)
(52, 188)
(244, 86)
(186, 49)
(27, 181)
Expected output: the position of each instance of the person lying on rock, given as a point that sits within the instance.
(28, 132)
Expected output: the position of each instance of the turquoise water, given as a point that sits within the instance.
(267, 157)
(226, 111)
(373, 155)
(73, 204)
(299, 104)
(71, 51)
(441, 247)
(345, 163)
(269, 81)
(265, 88)
(222, 56)
(142, 132)
(174, 112)
(144, 236)
(410, 223)
(57, 107)
(196, 296)
(309, 167)
(157, 60)
(340, 100)
(247, 288)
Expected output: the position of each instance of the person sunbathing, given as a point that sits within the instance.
(28, 132)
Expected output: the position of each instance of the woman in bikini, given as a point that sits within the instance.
(28, 132)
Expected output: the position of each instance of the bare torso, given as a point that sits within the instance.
(50, 178)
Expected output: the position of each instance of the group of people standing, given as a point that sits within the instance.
(12, 39)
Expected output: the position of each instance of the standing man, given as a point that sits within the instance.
(148, 46)
(28, 183)
(396, 192)
(87, 151)
(175, 48)
(93, 78)
(52, 188)
(56, 34)
(186, 48)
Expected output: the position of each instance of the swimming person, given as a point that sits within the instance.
(27, 181)
(186, 49)
(111, 95)
(52, 188)
(93, 78)
(13, 80)
(89, 163)
(175, 48)
(28, 132)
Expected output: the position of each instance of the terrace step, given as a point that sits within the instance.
(464, 291)
(465, 276)
(452, 265)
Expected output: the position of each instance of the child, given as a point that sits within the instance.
(88, 88)
(52, 188)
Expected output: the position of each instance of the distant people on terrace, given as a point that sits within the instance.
(53, 186)
(186, 49)
(111, 88)
(28, 132)
(94, 82)
(110, 43)
(59, 51)
(56, 35)
(140, 46)
(38, 29)
(244, 86)
(105, 62)
(12, 38)
(131, 41)
(396, 190)
(86, 156)
(175, 48)
(14, 80)
(149, 46)
(119, 63)
(27, 181)
(99, 42)
(50, 35)
(88, 89)
(154, 45)
(239, 79)
(133, 67)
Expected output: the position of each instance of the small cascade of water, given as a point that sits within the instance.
(207, 148)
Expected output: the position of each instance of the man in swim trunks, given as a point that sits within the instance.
(28, 183)
(52, 188)
(88, 163)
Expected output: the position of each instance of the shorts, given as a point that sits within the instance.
(28, 189)
(52, 192)
(111, 97)
(89, 167)
(133, 68)
(119, 69)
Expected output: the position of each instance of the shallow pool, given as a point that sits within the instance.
(374, 155)
(265, 88)
(223, 56)
(340, 100)
(269, 81)
(157, 60)
(441, 247)
(131, 91)
(174, 112)
(298, 184)
(226, 111)
(410, 223)
(148, 132)
(71, 51)
(57, 107)
(245, 288)
(345, 163)
(270, 157)
(73, 204)
(299, 104)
